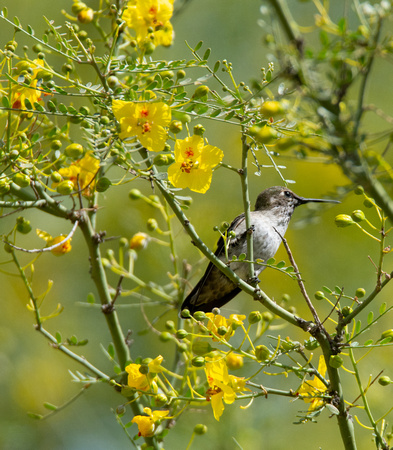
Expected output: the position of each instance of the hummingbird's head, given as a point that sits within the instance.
(282, 198)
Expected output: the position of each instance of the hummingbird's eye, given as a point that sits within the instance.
(287, 194)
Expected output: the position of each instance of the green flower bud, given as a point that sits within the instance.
(67, 68)
(121, 410)
(271, 108)
(77, 7)
(198, 361)
(335, 361)
(181, 74)
(319, 295)
(135, 194)
(37, 48)
(201, 91)
(387, 334)
(65, 187)
(86, 15)
(368, 202)
(74, 151)
(201, 348)
(175, 126)
(287, 344)
(185, 313)
(222, 331)
(199, 315)
(359, 190)
(55, 177)
(23, 225)
(161, 160)
(144, 369)
(103, 184)
(160, 400)
(267, 316)
(264, 135)
(149, 48)
(262, 353)
(358, 216)
(165, 336)
(384, 381)
(181, 334)
(7, 248)
(56, 144)
(343, 220)
(346, 311)
(112, 81)
(360, 292)
(182, 347)
(146, 361)
(167, 74)
(170, 325)
(4, 186)
(123, 242)
(254, 317)
(199, 130)
(200, 429)
(311, 344)
(21, 179)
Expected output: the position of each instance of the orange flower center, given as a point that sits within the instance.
(146, 127)
(188, 165)
(144, 112)
(212, 391)
(189, 152)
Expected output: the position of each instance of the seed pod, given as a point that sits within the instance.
(200, 429)
(384, 381)
(335, 361)
(360, 292)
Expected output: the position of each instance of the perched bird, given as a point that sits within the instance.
(273, 211)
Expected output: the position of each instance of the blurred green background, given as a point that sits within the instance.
(31, 372)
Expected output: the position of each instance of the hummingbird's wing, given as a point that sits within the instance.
(214, 289)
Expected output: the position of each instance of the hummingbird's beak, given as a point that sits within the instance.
(303, 200)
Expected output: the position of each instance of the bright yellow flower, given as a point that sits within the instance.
(312, 390)
(141, 381)
(222, 387)
(216, 321)
(61, 249)
(194, 164)
(146, 15)
(139, 241)
(86, 168)
(144, 120)
(147, 424)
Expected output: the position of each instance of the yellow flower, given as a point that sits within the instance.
(216, 321)
(146, 16)
(139, 241)
(147, 424)
(142, 381)
(144, 120)
(86, 168)
(194, 164)
(61, 249)
(312, 390)
(222, 387)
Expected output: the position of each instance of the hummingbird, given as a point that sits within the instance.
(269, 222)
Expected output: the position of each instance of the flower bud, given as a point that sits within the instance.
(319, 295)
(199, 130)
(199, 315)
(185, 313)
(175, 126)
(112, 81)
(55, 177)
(77, 7)
(86, 15)
(161, 160)
(234, 361)
(144, 369)
(387, 334)
(181, 74)
(23, 225)
(139, 241)
(360, 292)
(160, 400)
(335, 361)
(359, 190)
(182, 347)
(254, 317)
(262, 353)
(384, 381)
(21, 179)
(135, 194)
(65, 187)
(358, 215)
(181, 334)
(264, 135)
(198, 361)
(271, 108)
(120, 410)
(346, 311)
(201, 91)
(222, 331)
(343, 220)
(201, 348)
(56, 144)
(74, 151)
(4, 186)
(200, 429)
(170, 325)
(311, 344)
(368, 202)
(165, 336)
(103, 184)
(267, 316)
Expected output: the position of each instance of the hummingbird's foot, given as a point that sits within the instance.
(253, 281)
(251, 229)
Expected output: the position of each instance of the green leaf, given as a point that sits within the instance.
(117, 370)
(72, 110)
(326, 289)
(281, 264)
(342, 25)
(28, 104)
(35, 138)
(338, 290)
(382, 308)
(242, 257)
(370, 317)
(5, 102)
(111, 350)
(216, 66)
(369, 342)
(58, 338)
(324, 38)
(358, 326)
(90, 298)
(198, 46)
(39, 107)
(230, 115)
(269, 76)
(16, 21)
(207, 54)
(289, 269)
(270, 261)
(30, 30)
(52, 106)
(50, 406)
(63, 108)
(5, 12)
(35, 416)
